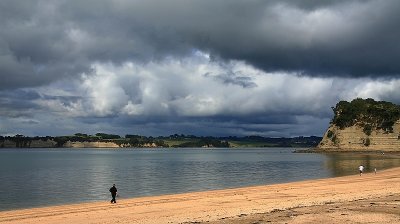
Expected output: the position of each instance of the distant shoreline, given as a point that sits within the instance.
(101, 140)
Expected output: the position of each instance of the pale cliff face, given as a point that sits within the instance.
(70, 144)
(354, 139)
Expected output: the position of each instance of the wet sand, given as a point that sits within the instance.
(352, 199)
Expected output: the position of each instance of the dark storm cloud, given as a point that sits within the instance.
(341, 39)
(24, 103)
(324, 38)
(231, 78)
(43, 41)
(204, 126)
(255, 119)
(237, 120)
(17, 103)
(194, 67)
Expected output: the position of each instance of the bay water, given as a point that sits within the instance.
(43, 177)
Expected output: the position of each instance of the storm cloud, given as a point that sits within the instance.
(42, 41)
(211, 66)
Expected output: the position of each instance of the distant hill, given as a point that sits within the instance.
(102, 140)
(363, 125)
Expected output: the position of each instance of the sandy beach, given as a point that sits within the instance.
(368, 198)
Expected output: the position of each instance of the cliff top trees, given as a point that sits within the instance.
(368, 113)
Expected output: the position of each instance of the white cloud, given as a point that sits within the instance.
(198, 87)
(378, 90)
(104, 92)
(195, 94)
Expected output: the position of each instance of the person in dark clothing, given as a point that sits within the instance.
(113, 191)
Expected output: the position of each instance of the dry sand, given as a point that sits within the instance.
(352, 199)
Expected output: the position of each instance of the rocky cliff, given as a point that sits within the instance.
(363, 125)
(354, 139)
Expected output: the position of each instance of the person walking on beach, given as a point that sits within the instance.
(361, 168)
(113, 191)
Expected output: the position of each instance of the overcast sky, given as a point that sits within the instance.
(202, 67)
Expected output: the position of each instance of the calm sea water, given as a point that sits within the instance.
(42, 177)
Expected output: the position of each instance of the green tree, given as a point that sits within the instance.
(369, 114)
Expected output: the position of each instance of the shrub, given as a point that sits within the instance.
(367, 142)
(334, 139)
(329, 134)
(367, 129)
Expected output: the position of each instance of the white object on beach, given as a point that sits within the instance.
(361, 168)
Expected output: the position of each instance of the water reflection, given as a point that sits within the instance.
(341, 164)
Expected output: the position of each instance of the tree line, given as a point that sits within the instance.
(366, 113)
